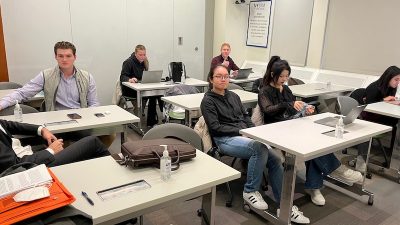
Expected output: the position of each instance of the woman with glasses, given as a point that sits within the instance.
(225, 115)
(277, 103)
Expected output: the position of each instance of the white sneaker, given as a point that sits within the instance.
(296, 216)
(347, 175)
(255, 199)
(316, 196)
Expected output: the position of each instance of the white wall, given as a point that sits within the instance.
(105, 33)
(288, 36)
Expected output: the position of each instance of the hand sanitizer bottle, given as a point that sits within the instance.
(339, 128)
(397, 96)
(17, 112)
(165, 165)
(183, 77)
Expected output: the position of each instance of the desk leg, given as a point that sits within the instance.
(138, 112)
(208, 207)
(188, 120)
(123, 133)
(395, 159)
(288, 184)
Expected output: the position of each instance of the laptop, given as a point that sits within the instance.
(244, 73)
(349, 118)
(151, 76)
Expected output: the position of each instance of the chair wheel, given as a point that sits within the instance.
(344, 151)
(371, 200)
(228, 204)
(368, 175)
(246, 208)
(200, 212)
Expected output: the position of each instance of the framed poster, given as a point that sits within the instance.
(258, 23)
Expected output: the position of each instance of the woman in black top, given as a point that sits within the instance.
(278, 103)
(384, 89)
(132, 71)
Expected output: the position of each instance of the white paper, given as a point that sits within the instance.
(33, 177)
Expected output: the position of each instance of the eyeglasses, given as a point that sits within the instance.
(219, 77)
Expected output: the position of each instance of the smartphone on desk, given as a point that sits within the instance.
(74, 116)
(99, 114)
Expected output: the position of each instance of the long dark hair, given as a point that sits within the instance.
(274, 69)
(211, 74)
(384, 80)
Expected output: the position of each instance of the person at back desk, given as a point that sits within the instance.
(225, 60)
(132, 71)
(55, 155)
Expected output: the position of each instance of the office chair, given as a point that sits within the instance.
(25, 110)
(175, 130)
(9, 85)
(232, 86)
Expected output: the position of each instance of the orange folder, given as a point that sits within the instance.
(12, 212)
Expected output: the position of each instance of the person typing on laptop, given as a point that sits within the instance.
(277, 103)
(132, 71)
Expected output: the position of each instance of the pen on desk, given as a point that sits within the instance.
(87, 198)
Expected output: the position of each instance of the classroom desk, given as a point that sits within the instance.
(302, 140)
(38, 96)
(391, 110)
(250, 78)
(191, 180)
(192, 102)
(317, 89)
(156, 89)
(114, 120)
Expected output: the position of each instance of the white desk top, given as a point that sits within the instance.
(317, 89)
(116, 116)
(302, 137)
(193, 101)
(163, 85)
(384, 108)
(38, 96)
(251, 78)
(103, 173)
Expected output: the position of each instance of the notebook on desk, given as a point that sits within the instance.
(244, 73)
(151, 76)
(349, 118)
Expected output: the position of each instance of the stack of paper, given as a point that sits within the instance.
(33, 177)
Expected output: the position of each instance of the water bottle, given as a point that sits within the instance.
(17, 112)
(398, 92)
(183, 77)
(165, 165)
(339, 128)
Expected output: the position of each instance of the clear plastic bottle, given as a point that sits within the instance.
(339, 128)
(165, 165)
(183, 77)
(17, 112)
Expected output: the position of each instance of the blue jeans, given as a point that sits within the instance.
(258, 155)
(319, 167)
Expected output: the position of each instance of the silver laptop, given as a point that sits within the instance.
(349, 118)
(151, 76)
(244, 73)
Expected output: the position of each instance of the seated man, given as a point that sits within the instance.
(55, 155)
(64, 86)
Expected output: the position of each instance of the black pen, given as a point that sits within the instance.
(87, 198)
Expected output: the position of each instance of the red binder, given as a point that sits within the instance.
(12, 212)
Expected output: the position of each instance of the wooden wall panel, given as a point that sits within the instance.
(3, 60)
